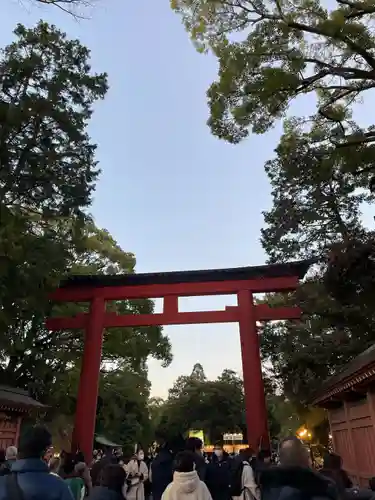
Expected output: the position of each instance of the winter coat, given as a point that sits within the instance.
(200, 466)
(218, 477)
(339, 477)
(83, 471)
(357, 493)
(250, 490)
(36, 482)
(104, 493)
(97, 468)
(161, 473)
(186, 486)
(296, 483)
(137, 473)
(77, 487)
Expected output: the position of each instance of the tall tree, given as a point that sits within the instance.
(316, 202)
(192, 398)
(271, 52)
(33, 357)
(317, 206)
(47, 162)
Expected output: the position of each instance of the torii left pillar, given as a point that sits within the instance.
(85, 417)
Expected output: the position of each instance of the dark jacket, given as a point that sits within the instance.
(218, 475)
(356, 493)
(339, 477)
(98, 467)
(104, 493)
(36, 482)
(295, 483)
(200, 466)
(161, 473)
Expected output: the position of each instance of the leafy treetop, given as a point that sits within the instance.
(272, 51)
(47, 160)
(317, 203)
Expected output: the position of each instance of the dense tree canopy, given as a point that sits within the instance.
(192, 397)
(47, 177)
(272, 52)
(317, 209)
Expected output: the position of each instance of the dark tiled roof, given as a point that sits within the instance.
(17, 398)
(357, 368)
(298, 268)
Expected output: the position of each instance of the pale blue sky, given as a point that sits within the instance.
(169, 191)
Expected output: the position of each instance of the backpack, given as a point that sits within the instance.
(235, 486)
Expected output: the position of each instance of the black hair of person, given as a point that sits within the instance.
(35, 442)
(184, 461)
(193, 444)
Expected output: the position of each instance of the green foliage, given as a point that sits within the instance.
(271, 52)
(317, 202)
(47, 177)
(47, 161)
(191, 399)
(317, 209)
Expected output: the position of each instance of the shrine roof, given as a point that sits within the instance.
(13, 398)
(360, 369)
(296, 268)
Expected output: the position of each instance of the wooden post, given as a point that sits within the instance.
(85, 418)
(256, 411)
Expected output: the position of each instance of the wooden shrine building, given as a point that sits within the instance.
(15, 404)
(349, 398)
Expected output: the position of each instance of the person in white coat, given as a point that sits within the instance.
(249, 488)
(186, 484)
(137, 473)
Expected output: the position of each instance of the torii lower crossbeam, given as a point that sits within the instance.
(243, 282)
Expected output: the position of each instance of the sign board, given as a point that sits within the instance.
(233, 437)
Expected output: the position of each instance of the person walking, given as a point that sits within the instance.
(30, 477)
(195, 445)
(186, 484)
(294, 478)
(218, 474)
(113, 479)
(137, 473)
(242, 483)
(75, 483)
(161, 471)
(106, 459)
(81, 469)
(11, 455)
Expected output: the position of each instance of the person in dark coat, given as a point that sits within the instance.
(4, 466)
(332, 468)
(112, 482)
(161, 471)
(107, 459)
(32, 473)
(294, 479)
(262, 463)
(195, 445)
(218, 474)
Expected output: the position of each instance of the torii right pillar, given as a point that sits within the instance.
(256, 410)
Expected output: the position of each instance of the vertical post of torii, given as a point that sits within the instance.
(256, 411)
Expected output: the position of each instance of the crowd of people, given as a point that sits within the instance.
(181, 472)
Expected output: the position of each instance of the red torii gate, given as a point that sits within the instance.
(243, 282)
